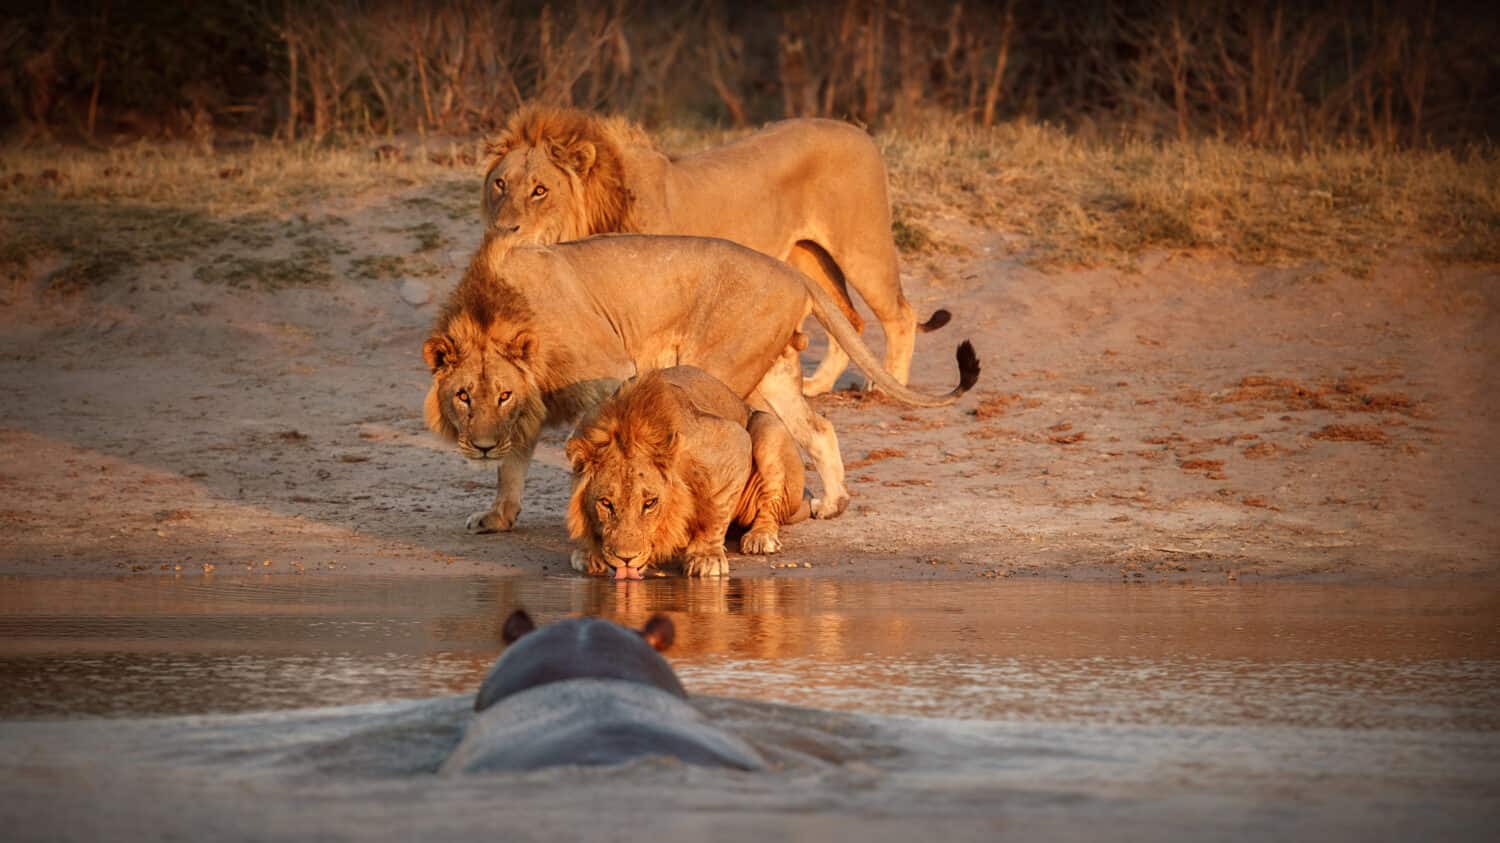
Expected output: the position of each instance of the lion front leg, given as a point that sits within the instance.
(774, 493)
(510, 481)
(704, 556)
(706, 561)
(589, 562)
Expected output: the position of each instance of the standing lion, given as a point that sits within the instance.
(809, 192)
(537, 335)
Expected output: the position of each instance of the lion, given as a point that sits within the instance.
(810, 192)
(666, 465)
(537, 335)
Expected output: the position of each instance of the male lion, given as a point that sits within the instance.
(662, 468)
(538, 335)
(810, 192)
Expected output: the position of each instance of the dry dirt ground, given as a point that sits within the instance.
(1195, 418)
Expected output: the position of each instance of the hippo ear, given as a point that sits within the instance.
(659, 632)
(518, 624)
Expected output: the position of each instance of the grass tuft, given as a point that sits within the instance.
(1073, 202)
(1081, 203)
(105, 212)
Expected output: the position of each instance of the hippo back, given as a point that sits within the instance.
(591, 722)
(576, 648)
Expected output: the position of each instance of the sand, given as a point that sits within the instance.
(1194, 418)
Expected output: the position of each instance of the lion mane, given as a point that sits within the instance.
(680, 458)
(485, 313)
(809, 192)
(536, 335)
(640, 424)
(586, 145)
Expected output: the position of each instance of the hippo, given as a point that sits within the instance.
(587, 691)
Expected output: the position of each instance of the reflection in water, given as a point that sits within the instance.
(1157, 712)
(1303, 655)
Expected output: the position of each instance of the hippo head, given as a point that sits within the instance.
(579, 648)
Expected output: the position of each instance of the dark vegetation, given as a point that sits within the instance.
(1379, 72)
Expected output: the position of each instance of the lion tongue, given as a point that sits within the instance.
(625, 572)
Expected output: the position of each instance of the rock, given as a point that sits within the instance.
(415, 293)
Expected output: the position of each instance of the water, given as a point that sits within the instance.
(148, 706)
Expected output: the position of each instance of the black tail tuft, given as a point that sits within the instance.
(938, 319)
(968, 366)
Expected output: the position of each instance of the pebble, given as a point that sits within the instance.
(415, 293)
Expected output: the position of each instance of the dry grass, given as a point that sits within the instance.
(104, 212)
(1072, 201)
(1080, 202)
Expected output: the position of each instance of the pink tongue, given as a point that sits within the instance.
(625, 572)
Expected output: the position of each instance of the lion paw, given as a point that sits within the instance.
(760, 542)
(830, 508)
(493, 521)
(710, 564)
(588, 563)
(812, 389)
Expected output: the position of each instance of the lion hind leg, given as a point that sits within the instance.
(835, 361)
(878, 281)
(781, 391)
(815, 262)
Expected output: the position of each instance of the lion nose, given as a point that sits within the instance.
(484, 447)
(625, 558)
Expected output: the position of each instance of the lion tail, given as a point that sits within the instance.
(938, 319)
(827, 311)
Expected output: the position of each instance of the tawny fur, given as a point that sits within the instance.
(683, 435)
(534, 336)
(812, 193)
(569, 137)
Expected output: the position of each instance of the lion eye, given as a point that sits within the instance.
(539, 192)
(604, 502)
(463, 395)
(504, 396)
(649, 505)
(499, 185)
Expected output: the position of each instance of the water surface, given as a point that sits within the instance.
(1226, 711)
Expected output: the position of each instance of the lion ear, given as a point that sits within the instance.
(580, 453)
(439, 353)
(522, 346)
(579, 157)
(497, 148)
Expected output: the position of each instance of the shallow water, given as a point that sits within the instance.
(1235, 710)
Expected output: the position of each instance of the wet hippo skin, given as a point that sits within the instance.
(591, 692)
